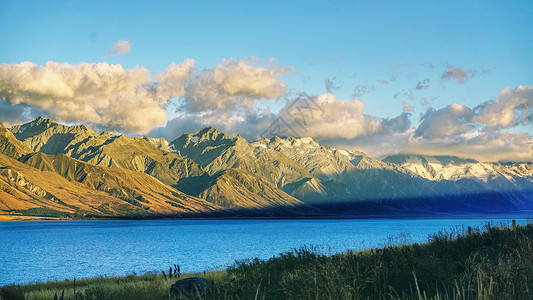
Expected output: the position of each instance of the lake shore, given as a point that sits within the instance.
(432, 215)
(489, 262)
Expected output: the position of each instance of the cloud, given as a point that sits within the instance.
(13, 114)
(233, 84)
(400, 123)
(105, 95)
(172, 82)
(231, 97)
(455, 73)
(120, 47)
(110, 97)
(450, 130)
(248, 124)
(422, 84)
(325, 116)
(322, 116)
(459, 75)
(407, 107)
(363, 89)
(512, 107)
(332, 84)
(484, 146)
(407, 94)
(452, 120)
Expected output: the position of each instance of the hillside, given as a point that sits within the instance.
(231, 173)
(60, 185)
(144, 194)
(28, 191)
(241, 188)
(142, 154)
(10, 145)
(136, 188)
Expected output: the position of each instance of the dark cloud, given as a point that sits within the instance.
(400, 123)
(333, 84)
(455, 73)
(459, 75)
(13, 114)
(422, 84)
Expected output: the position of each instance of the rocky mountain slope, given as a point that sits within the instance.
(209, 170)
(62, 184)
(215, 151)
(335, 176)
(242, 188)
(10, 145)
(141, 154)
(145, 194)
(82, 192)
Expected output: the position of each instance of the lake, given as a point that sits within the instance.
(36, 251)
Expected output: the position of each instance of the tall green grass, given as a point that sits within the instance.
(489, 263)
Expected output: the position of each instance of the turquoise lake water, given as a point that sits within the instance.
(36, 251)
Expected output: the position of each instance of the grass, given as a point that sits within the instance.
(488, 263)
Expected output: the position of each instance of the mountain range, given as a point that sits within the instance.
(50, 169)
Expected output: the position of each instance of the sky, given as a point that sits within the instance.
(427, 77)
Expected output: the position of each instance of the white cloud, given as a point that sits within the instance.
(512, 107)
(172, 82)
(132, 100)
(452, 120)
(229, 97)
(108, 96)
(325, 116)
(233, 84)
(120, 47)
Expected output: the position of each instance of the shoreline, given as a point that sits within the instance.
(431, 216)
(399, 267)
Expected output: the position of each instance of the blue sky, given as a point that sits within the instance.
(375, 51)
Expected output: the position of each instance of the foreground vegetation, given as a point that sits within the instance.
(487, 263)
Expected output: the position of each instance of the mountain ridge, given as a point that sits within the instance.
(276, 173)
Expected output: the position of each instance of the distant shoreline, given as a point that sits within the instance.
(521, 215)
